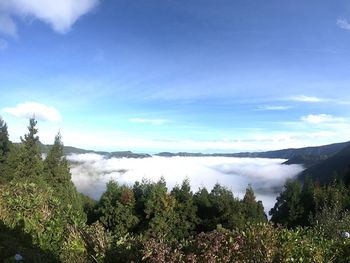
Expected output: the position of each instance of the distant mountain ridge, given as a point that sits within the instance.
(117, 154)
(307, 155)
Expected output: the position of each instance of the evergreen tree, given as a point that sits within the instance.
(156, 209)
(31, 164)
(204, 210)
(253, 210)
(116, 209)
(226, 209)
(4, 142)
(5, 146)
(57, 174)
(288, 209)
(185, 209)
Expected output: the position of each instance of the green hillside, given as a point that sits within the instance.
(325, 171)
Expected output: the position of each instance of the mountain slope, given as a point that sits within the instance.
(325, 170)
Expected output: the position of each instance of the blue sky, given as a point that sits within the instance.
(191, 75)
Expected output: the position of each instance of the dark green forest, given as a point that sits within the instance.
(44, 219)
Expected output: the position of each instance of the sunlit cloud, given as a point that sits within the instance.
(33, 109)
(302, 98)
(61, 15)
(321, 118)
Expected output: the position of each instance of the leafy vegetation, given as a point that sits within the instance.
(45, 219)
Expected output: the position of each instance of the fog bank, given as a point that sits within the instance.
(91, 172)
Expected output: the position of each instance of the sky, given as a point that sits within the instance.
(177, 75)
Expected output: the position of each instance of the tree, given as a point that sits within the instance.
(288, 209)
(253, 210)
(5, 143)
(204, 210)
(156, 209)
(5, 146)
(226, 209)
(219, 208)
(57, 174)
(185, 209)
(116, 209)
(31, 164)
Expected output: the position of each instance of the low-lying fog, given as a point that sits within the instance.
(91, 172)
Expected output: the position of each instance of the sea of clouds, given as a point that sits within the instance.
(91, 172)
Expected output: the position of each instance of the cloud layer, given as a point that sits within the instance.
(91, 172)
(39, 111)
(61, 15)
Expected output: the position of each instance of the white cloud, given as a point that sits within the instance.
(265, 175)
(321, 118)
(148, 121)
(303, 98)
(343, 23)
(30, 109)
(61, 15)
(7, 25)
(273, 108)
(3, 44)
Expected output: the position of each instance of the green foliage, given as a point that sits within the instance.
(57, 174)
(30, 164)
(218, 208)
(288, 210)
(89, 208)
(185, 209)
(117, 209)
(304, 245)
(253, 210)
(5, 147)
(4, 142)
(38, 212)
(160, 219)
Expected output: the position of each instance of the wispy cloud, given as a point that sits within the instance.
(30, 109)
(7, 25)
(303, 98)
(343, 23)
(321, 118)
(273, 108)
(148, 121)
(61, 15)
(3, 44)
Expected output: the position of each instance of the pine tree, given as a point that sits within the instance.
(4, 141)
(288, 209)
(57, 174)
(185, 209)
(253, 210)
(31, 164)
(5, 146)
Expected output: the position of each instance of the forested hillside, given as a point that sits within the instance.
(44, 219)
